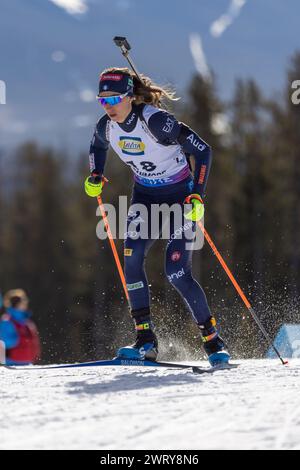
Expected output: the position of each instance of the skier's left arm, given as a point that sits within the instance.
(97, 156)
(192, 144)
(169, 131)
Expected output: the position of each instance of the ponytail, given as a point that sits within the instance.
(145, 90)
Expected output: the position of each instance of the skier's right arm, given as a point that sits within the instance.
(98, 151)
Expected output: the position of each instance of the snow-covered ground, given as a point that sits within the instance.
(256, 406)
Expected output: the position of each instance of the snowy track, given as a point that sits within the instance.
(256, 406)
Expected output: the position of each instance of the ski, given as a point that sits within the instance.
(118, 361)
(212, 369)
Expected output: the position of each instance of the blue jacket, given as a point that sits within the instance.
(8, 332)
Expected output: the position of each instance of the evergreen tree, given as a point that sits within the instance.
(292, 136)
(38, 253)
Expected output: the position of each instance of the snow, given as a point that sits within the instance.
(256, 406)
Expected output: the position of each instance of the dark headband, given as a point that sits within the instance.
(116, 82)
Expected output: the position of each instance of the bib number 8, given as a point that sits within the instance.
(146, 166)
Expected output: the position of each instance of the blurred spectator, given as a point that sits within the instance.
(2, 345)
(18, 331)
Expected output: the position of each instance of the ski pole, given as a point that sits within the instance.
(112, 243)
(240, 292)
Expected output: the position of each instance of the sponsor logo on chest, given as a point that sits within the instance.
(132, 145)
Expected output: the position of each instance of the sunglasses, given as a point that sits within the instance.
(111, 100)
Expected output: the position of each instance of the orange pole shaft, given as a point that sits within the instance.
(226, 268)
(239, 290)
(113, 246)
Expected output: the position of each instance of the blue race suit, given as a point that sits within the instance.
(158, 149)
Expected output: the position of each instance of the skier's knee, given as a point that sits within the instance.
(177, 277)
(133, 258)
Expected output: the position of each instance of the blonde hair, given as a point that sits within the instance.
(145, 90)
(12, 295)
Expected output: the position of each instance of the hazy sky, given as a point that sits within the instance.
(51, 53)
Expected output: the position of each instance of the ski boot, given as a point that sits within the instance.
(145, 346)
(213, 344)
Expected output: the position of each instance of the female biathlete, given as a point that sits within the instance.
(158, 149)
